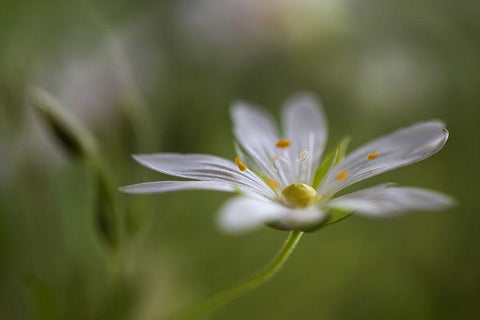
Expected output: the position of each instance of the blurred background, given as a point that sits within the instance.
(151, 76)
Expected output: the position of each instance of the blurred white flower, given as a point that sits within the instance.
(242, 27)
(97, 81)
(277, 174)
(393, 72)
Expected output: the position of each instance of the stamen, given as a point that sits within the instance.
(241, 166)
(372, 156)
(304, 155)
(283, 143)
(342, 175)
(274, 184)
(272, 165)
(444, 130)
(302, 173)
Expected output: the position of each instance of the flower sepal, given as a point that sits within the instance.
(336, 215)
(305, 227)
(333, 158)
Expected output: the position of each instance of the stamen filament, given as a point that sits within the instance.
(302, 166)
(279, 170)
(272, 163)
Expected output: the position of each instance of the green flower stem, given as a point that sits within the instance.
(236, 291)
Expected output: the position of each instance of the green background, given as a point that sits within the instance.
(149, 76)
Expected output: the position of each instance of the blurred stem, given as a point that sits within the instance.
(256, 280)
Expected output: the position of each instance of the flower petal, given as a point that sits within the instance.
(305, 125)
(398, 149)
(382, 202)
(170, 186)
(257, 134)
(243, 213)
(206, 168)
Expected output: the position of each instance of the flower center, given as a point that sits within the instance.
(299, 195)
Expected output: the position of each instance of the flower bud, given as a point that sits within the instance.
(70, 132)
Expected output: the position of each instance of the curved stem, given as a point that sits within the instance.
(254, 281)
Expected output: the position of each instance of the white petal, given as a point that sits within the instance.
(398, 149)
(243, 213)
(170, 186)
(257, 134)
(381, 202)
(305, 125)
(206, 168)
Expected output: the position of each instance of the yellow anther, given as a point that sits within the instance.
(372, 156)
(283, 143)
(299, 195)
(303, 156)
(342, 175)
(274, 184)
(240, 164)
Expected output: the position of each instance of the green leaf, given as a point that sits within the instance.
(322, 170)
(337, 215)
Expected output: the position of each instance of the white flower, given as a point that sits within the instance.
(282, 182)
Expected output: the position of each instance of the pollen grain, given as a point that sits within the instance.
(283, 143)
(240, 164)
(372, 156)
(342, 175)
